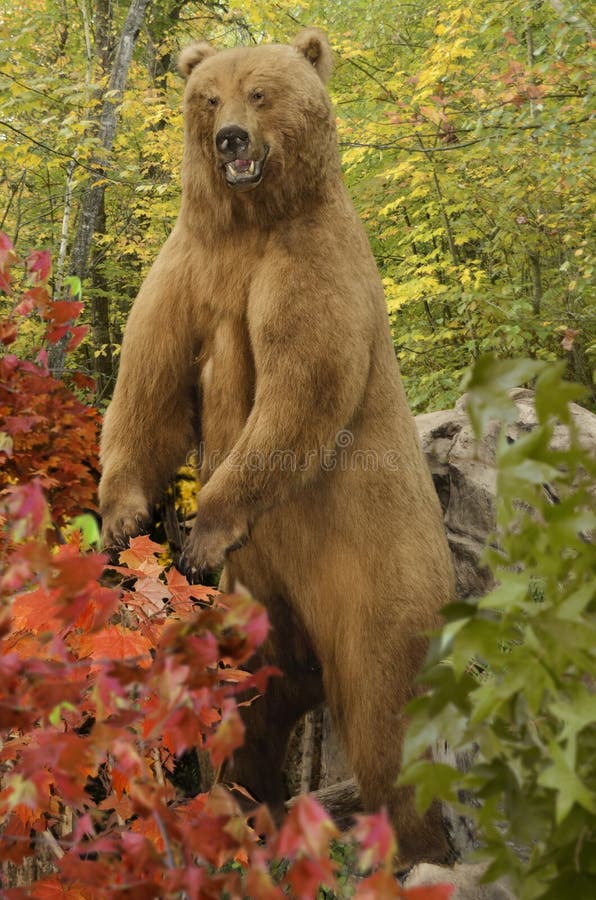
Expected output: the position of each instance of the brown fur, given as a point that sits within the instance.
(269, 303)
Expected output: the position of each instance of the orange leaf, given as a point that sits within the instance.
(141, 555)
(37, 611)
(228, 736)
(117, 642)
(183, 593)
(52, 889)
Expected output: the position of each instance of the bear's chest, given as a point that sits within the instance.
(222, 287)
(226, 388)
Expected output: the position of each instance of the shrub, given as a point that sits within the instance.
(513, 672)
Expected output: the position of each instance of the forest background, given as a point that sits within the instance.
(465, 138)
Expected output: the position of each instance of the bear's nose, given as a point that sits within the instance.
(232, 141)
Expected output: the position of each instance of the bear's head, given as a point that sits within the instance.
(259, 118)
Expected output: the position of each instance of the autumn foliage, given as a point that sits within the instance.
(47, 433)
(102, 687)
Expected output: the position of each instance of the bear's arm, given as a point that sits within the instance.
(311, 339)
(148, 428)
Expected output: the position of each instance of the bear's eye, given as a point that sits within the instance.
(257, 96)
(212, 102)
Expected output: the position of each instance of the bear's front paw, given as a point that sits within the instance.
(210, 540)
(119, 528)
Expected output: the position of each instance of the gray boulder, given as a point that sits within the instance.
(465, 877)
(466, 481)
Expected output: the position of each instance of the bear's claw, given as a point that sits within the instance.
(207, 548)
(115, 538)
(193, 574)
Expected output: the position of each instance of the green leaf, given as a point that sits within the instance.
(432, 779)
(55, 716)
(553, 395)
(90, 533)
(561, 778)
(576, 712)
(73, 283)
(488, 385)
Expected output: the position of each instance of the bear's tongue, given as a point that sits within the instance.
(243, 165)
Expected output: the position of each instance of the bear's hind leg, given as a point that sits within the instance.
(367, 699)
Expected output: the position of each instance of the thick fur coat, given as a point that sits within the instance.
(261, 336)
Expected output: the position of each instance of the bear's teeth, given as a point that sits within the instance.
(241, 167)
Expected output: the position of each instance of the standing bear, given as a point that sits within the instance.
(261, 337)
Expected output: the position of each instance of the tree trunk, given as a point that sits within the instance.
(537, 292)
(100, 318)
(61, 261)
(106, 131)
(163, 19)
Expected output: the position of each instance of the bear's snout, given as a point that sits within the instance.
(232, 141)
(242, 156)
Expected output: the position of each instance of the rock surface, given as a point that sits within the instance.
(465, 878)
(466, 480)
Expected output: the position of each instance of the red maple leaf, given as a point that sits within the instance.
(260, 884)
(429, 892)
(8, 329)
(307, 874)
(75, 571)
(26, 508)
(307, 829)
(39, 264)
(77, 333)
(7, 257)
(374, 835)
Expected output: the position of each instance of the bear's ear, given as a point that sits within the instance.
(192, 55)
(313, 44)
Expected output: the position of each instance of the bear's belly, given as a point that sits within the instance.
(227, 381)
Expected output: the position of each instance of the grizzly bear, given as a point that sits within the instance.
(261, 337)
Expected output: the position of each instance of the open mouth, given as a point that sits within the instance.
(245, 172)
